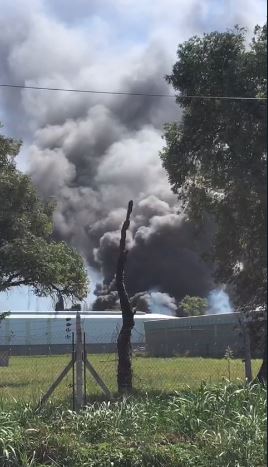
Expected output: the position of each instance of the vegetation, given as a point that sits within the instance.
(216, 157)
(28, 253)
(216, 426)
(192, 306)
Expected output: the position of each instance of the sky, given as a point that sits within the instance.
(91, 152)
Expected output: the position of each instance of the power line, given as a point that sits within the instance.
(125, 93)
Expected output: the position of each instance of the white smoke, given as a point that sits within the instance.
(219, 302)
(162, 303)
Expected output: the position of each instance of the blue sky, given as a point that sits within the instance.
(101, 44)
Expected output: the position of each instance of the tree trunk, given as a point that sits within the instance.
(124, 371)
(60, 303)
(262, 374)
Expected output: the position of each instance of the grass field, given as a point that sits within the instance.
(27, 378)
(221, 425)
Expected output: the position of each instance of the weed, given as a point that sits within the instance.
(220, 425)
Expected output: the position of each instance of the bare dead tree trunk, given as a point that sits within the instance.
(124, 371)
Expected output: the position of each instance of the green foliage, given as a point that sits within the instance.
(214, 426)
(192, 306)
(216, 156)
(28, 254)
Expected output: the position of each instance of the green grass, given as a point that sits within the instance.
(220, 425)
(27, 378)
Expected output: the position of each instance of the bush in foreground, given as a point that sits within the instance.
(213, 426)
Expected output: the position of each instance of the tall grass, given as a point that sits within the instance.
(216, 426)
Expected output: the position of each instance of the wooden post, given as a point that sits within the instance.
(79, 363)
(56, 383)
(247, 353)
(97, 378)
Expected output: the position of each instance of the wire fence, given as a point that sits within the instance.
(25, 375)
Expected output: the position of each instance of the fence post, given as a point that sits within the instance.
(247, 352)
(79, 363)
(73, 370)
(85, 374)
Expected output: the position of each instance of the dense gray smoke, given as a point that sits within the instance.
(146, 302)
(164, 252)
(94, 153)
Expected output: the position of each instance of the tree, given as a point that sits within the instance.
(192, 306)
(216, 157)
(124, 372)
(28, 254)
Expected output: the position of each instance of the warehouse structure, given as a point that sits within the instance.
(202, 336)
(44, 333)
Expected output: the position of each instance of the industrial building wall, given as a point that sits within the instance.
(51, 333)
(53, 336)
(203, 336)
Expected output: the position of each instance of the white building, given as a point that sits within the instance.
(42, 333)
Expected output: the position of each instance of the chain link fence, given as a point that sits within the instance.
(27, 377)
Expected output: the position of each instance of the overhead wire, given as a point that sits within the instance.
(126, 93)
